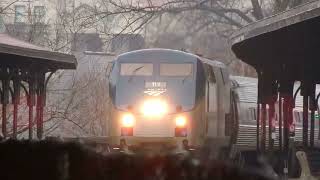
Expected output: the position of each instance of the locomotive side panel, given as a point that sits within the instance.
(211, 103)
(217, 102)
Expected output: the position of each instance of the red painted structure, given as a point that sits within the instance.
(24, 66)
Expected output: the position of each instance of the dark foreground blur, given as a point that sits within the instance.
(47, 160)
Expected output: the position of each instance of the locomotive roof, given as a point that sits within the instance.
(166, 54)
(213, 62)
(159, 54)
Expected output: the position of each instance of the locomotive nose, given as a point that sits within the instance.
(154, 107)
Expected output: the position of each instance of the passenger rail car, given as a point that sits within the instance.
(245, 89)
(168, 98)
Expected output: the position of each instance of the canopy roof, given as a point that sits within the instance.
(288, 39)
(16, 52)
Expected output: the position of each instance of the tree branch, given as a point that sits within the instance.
(7, 6)
(257, 11)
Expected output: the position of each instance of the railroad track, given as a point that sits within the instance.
(66, 160)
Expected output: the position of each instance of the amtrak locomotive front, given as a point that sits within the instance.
(159, 98)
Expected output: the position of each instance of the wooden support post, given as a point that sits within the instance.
(15, 120)
(318, 110)
(305, 125)
(312, 128)
(40, 103)
(5, 101)
(285, 124)
(280, 121)
(259, 112)
(4, 120)
(38, 118)
(271, 125)
(258, 127)
(31, 102)
(264, 127)
(16, 101)
(312, 108)
(30, 126)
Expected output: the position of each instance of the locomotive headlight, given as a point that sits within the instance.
(154, 108)
(181, 121)
(127, 120)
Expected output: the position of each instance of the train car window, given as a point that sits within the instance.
(167, 69)
(136, 69)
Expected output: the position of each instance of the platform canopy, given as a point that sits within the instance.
(13, 51)
(283, 49)
(26, 67)
(288, 39)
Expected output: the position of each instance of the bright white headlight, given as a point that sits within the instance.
(154, 108)
(181, 121)
(127, 120)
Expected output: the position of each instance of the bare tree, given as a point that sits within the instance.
(78, 109)
(7, 6)
(188, 24)
(56, 33)
(231, 12)
(78, 105)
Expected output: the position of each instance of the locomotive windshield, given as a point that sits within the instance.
(185, 69)
(172, 81)
(136, 69)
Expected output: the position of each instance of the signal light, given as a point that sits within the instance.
(181, 121)
(181, 129)
(127, 120)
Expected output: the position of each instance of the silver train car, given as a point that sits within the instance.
(170, 98)
(245, 89)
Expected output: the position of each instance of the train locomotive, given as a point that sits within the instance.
(169, 98)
